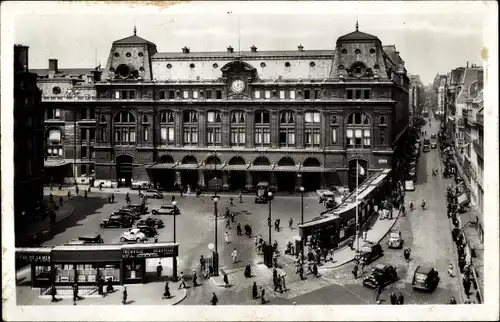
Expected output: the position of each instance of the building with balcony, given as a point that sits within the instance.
(28, 140)
(292, 118)
(415, 93)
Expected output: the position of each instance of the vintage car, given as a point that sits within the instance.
(133, 234)
(395, 239)
(323, 195)
(132, 216)
(409, 185)
(433, 136)
(151, 193)
(427, 141)
(263, 192)
(425, 278)
(147, 230)
(412, 174)
(132, 212)
(381, 275)
(91, 238)
(369, 252)
(433, 144)
(142, 208)
(427, 148)
(165, 210)
(151, 222)
(116, 221)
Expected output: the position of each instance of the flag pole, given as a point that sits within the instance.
(357, 196)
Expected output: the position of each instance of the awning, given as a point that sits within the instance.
(188, 166)
(462, 199)
(236, 167)
(212, 167)
(286, 168)
(55, 163)
(162, 166)
(316, 169)
(261, 168)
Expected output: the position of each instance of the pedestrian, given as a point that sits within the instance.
(275, 276)
(166, 294)
(181, 189)
(234, 255)
(283, 282)
(466, 282)
(124, 295)
(75, 293)
(240, 197)
(238, 230)
(226, 237)
(256, 241)
(159, 270)
(202, 263)
(355, 271)
(262, 294)
(53, 292)
(85, 194)
(228, 223)
(365, 234)
(226, 280)
(394, 298)
(452, 301)
(301, 272)
(195, 278)
(255, 292)
(315, 270)
(401, 299)
(172, 199)
(231, 201)
(112, 198)
(100, 286)
(331, 254)
(450, 270)
(214, 299)
(276, 225)
(183, 282)
(61, 200)
(290, 223)
(249, 231)
(277, 284)
(378, 292)
(232, 216)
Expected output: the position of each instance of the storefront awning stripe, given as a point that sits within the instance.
(316, 169)
(261, 168)
(212, 167)
(286, 168)
(162, 166)
(236, 167)
(191, 166)
(55, 163)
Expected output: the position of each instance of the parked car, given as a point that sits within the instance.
(395, 239)
(139, 206)
(426, 148)
(409, 185)
(151, 222)
(91, 238)
(151, 193)
(116, 221)
(133, 234)
(433, 144)
(370, 251)
(263, 192)
(425, 278)
(147, 230)
(323, 195)
(131, 216)
(165, 210)
(381, 275)
(132, 212)
(433, 136)
(427, 141)
(412, 174)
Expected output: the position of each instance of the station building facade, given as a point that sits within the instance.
(292, 118)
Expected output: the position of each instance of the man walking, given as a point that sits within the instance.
(355, 271)
(53, 293)
(238, 230)
(125, 295)
(240, 197)
(159, 270)
(228, 223)
(290, 223)
(214, 299)
(195, 278)
(183, 283)
(234, 255)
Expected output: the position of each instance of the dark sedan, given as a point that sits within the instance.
(116, 221)
(425, 278)
(151, 222)
(381, 275)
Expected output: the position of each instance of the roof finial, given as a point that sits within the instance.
(357, 24)
(135, 30)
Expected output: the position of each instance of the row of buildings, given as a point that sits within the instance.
(292, 118)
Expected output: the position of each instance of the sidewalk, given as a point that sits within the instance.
(42, 227)
(138, 294)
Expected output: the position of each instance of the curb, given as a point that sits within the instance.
(182, 298)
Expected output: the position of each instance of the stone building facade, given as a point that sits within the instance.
(292, 118)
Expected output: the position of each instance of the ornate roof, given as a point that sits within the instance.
(357, 35)
(133, 40)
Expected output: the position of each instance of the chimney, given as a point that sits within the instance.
(53, 65)
(480, 82)
(467, 65)
(185, 50)
(20, 58)
(253, 49)
(301, 48)
(230, 49)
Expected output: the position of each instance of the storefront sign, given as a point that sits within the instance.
(382, 161)
(149, 252)
(34, 257)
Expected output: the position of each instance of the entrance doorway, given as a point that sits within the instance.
(311, 180)
(124, 170)
(286, 180)
(189, 177)
(237, 178)
(165, 177)
(260, 176)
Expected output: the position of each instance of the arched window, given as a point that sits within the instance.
(214, 134)
(312, 131)
(358, 131)
(262, 129)
(190, 127)
(238, 131)
(124, 128)
(287, 129)
(167, 129)
(53, 142)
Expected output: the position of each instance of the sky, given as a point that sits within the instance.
(431, 37)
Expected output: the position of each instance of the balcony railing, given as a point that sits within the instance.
(478, 147)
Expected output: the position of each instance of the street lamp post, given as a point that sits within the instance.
(216, 254)
(174, 273)
(301, 205)
(268, 250)
(270, 194)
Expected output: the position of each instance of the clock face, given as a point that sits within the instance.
(238, 86)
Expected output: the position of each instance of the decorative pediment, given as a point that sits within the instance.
(238, 66)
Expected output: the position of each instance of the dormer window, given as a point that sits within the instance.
(357, 51)
(358, 69)
(128, 55)
(344, 51)
(372, 51)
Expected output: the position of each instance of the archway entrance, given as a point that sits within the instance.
(286, 180)
(188, 176)
(237, 178)
(259, 176)
(214, 163)
(124, 170)
(353, 171)
(165, 177)
(311, 180)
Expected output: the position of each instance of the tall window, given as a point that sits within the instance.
(53, 113)
(262, 130)
(287, 129)
(238, 132)
(190, 127)
(334, 129)
(124, 128)
(358, 131)
(167, 130)
(214, 120)
(359, 94)
(125, 94)
(53, 143)
(312, 131)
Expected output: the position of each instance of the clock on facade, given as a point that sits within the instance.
(238, 86)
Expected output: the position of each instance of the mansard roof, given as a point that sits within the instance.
(132, 40)
(356, 36)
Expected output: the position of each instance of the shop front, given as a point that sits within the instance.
(39, 261)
